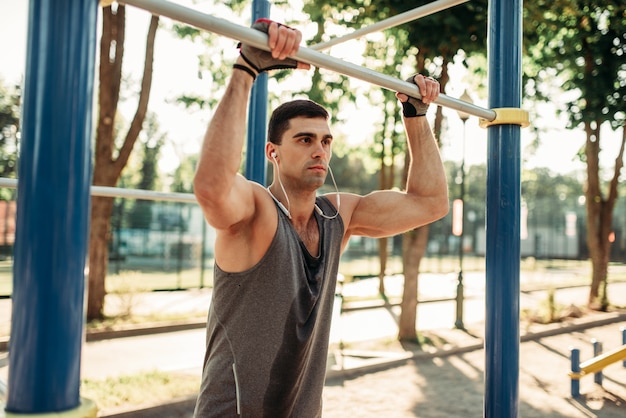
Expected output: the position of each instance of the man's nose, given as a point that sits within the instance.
(319, 151)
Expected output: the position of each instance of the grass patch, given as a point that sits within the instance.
(142, 281)
(146, 388)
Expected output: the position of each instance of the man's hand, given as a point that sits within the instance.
(429, 90)
(283, 42)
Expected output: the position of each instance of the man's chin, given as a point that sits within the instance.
(317, 183)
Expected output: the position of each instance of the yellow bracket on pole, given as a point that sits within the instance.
(507, 116)
(106, 3)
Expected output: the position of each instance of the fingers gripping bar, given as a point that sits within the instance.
(259, 40)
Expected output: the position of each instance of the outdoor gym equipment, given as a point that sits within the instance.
(55, 175)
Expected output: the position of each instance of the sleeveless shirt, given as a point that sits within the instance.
(268, 328)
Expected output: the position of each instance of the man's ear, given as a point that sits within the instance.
(271, 152)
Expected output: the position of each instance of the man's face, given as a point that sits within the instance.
(305, 152)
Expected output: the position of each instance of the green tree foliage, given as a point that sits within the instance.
(10, 97)
(581, 45)
(327, 88)
(432, 43)
(183, 176)
(212, 66)
(352, 174)
(543, 183)
(141, 213)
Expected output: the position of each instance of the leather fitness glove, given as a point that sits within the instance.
(413, 107)
(262, 60)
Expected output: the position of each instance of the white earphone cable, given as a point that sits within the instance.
(332, 177)
(287, 209)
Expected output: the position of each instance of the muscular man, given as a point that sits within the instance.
(277, 249)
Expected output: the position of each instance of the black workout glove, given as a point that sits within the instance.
(262, 60)
(413, 107)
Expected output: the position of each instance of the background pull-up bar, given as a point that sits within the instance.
(391, 22)
(258, 39)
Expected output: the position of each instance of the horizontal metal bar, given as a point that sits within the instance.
(104, 191)
(391, 22)
(6, 183)
(599, 362)
(307, 55)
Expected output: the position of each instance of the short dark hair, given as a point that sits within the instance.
(279, 121)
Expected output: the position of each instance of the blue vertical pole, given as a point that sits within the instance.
(503, 214)
(52, 208)
(575, 366)
(597, 350)
(257, 113)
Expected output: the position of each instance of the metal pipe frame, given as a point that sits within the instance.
(601, 361)
(502, 253)
(391, 22)
(104, 191)
(307, 55)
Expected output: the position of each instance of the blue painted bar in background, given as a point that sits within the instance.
(257, 114)
(503, 214)
(597, 350)
(52, 207)
(575, 366)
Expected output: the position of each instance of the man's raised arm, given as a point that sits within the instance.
(225, 196)
(387, 213)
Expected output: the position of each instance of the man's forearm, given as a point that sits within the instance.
(220, 155)
(426, 176)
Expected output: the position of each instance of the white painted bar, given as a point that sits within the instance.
(391, 22)
(118, 192)
(307, 55)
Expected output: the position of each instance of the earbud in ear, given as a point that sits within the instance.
(273, 154)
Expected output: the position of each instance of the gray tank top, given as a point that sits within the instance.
(268, 328)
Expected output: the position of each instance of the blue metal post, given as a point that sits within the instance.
(597, 350)
(503, 214)
(257, 113)
(575, 366)
(52, 208)
(623, 331)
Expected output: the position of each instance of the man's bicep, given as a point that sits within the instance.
(386, 213)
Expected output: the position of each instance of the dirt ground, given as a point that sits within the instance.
(434, 386)
(453, 386)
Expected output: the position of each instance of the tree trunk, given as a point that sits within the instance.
(382, 257)
(99, 237)
(108, 166)
(599, 215)
(413, 247)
